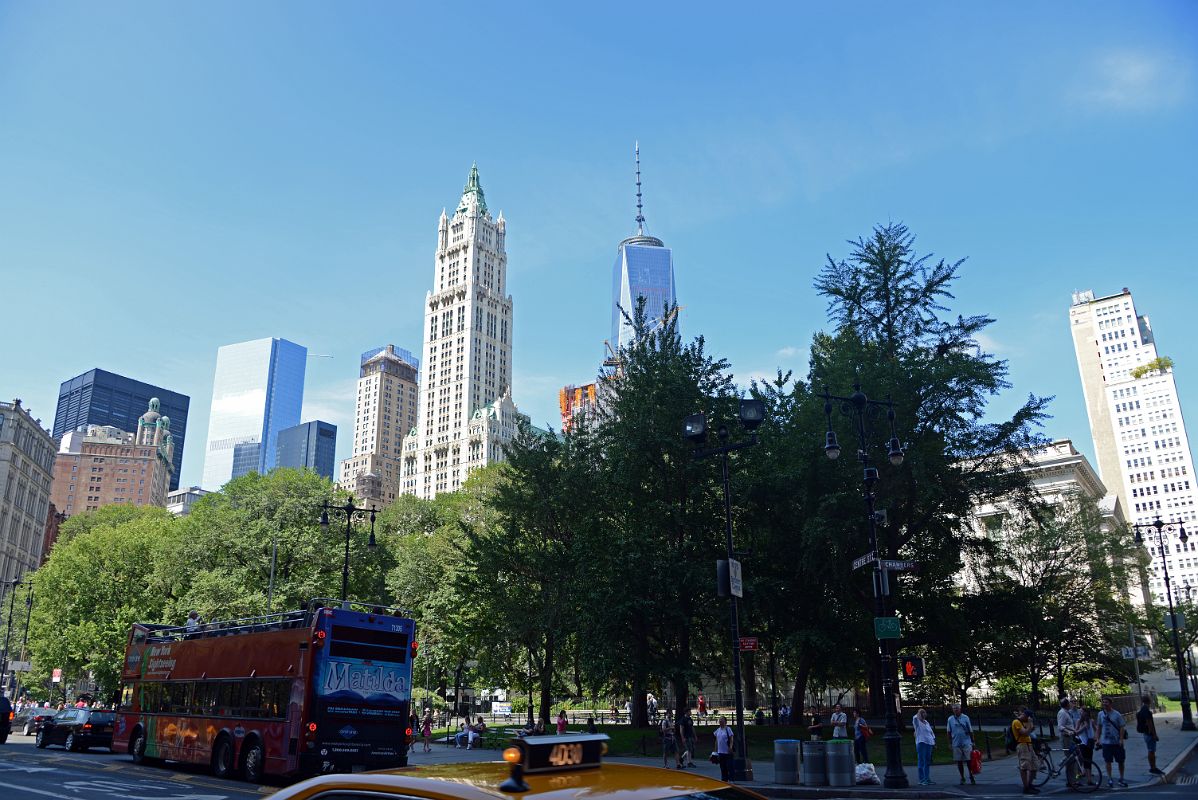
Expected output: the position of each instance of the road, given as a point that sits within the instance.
(31, 774)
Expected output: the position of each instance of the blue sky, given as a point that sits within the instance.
(174, 176)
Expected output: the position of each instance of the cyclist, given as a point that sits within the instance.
(1065, 726)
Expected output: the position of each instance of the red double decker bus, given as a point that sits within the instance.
(327, 688)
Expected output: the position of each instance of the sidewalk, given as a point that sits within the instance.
(998, 777)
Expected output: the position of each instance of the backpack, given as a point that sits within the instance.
(1009, 740)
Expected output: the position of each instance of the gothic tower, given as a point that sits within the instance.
(466, 412)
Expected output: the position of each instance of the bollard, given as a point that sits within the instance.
(813, 769)
(786, 760)
(842, 767)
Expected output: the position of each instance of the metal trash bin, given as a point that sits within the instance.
(842, 767)
(786, 761)
(813, 769)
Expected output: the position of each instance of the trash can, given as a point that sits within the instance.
(786, 760)
(842, 767)
(813, 770)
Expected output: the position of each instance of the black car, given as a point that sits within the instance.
(29, 720)
(78, 729)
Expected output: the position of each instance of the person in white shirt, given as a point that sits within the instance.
(723, 749)
(193, 621)
(960, 734)
(925, 740)
(840, 723)
(1067, 730)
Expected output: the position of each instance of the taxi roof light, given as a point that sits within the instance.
(511, 755)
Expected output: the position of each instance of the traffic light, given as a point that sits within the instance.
(911, 668)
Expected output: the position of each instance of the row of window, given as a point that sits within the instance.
(257, 698)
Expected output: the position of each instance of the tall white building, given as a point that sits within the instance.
(1140, 438)
(466, 413)
(388, 383)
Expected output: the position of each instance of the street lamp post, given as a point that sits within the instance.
(752, 414)
(12, 595)
(858, 408)
(349, 510)
(1187, 719)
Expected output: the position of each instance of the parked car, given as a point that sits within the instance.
(29, 720)
(77, 729)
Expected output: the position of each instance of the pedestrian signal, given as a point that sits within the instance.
(911, 668)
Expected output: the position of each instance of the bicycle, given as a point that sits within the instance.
(1048, 770)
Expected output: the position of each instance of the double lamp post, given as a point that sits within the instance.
(350, 511)
(1161, 528)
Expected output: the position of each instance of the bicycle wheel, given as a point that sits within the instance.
(1045, 771)
(1082, 785)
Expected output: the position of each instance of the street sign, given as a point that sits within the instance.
(748, 643)
(887, 628)
(863, 560)
(1140, 651)
(897, 566)
(19, 666)
(1181, 621)
(56, 675)
(734, 579)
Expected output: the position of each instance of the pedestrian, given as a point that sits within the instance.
(651, 704)
(1068, 734)
(702, 703)
(426, 731)
(669, 741)
(1025, 753)
(686, 727)
(784, 714)
(960, 735)
(723, 750)
(561, 722)
(591, 726)
(1146, 726)
(840, 722)
(861, 734)
(815, 727)
(1112, 730)
(925, 741)
(1087, 734)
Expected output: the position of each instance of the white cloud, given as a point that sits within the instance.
(790, 351)
(1136, 81)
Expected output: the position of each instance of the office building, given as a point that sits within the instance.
(180, 501)
(388, 386)
(26, 471)
(1140, 439)
(98, 464)
(258, 390)
(578, 403)
(644, 268)
(309, 445)
(99, 397)
(466, 413)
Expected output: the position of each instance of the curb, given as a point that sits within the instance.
(1176, 763)
(799, 792)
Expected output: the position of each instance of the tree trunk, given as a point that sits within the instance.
(799, 696)
(639, 718)
(748, 671)
(547, 681)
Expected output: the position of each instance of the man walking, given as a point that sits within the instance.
(686, 727)
(1066, 727)
(1021, 730)
(960, 735)
(1146, 725)
(1112, 730)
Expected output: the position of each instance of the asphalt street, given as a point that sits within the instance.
(27, 773)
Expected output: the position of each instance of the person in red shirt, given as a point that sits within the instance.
(702, 705)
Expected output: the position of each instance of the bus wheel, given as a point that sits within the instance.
(222, 758)
(137, 748)
(251, 762)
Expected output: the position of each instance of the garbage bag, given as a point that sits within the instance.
(866, 775)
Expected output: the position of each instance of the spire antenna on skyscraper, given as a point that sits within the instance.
(640, 217)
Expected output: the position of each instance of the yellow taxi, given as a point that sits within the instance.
(541, 767)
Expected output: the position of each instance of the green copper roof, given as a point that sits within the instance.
(473, 187)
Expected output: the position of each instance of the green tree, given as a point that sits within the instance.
(110, 572)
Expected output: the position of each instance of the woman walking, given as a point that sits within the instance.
(861, 732)
(925, 740)
(426, 731)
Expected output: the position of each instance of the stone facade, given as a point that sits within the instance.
(388, 386)
(26, 470)
(466, 413)
(100, 464)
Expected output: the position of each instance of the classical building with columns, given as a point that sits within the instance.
(466, 413)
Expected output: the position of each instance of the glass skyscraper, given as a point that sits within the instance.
(309, 445)
(99, 397)
(257, 392)
(644, 268)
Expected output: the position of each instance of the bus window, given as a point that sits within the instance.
(228, 699)
(204, 699)
(178, 697)
(151, 697)
(127, 697)
(251, 705)
(275, 695)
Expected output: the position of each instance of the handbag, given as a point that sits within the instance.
(975, 762)
(715, 757)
